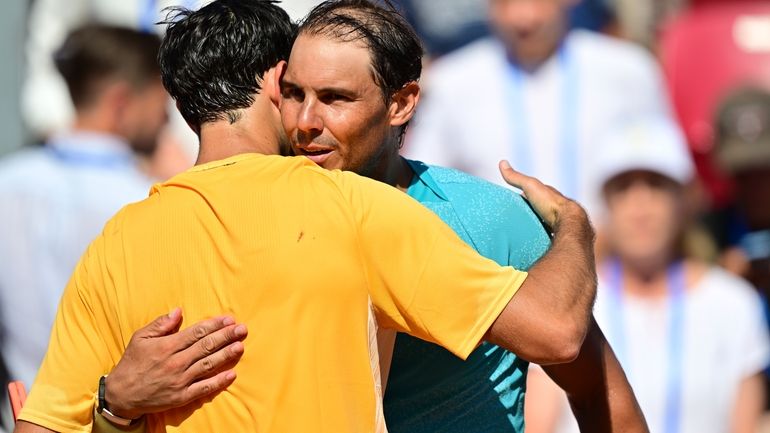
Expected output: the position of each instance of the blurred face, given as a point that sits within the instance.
(332, 109)
(644, 211)
(145, 116)
(530, 29)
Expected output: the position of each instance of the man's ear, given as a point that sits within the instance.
(403, 104)
(272, 84)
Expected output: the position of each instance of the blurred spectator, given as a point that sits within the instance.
(46, 105)
(57, 198)
(690, 337)
(45, 102)
(459, 22)
(708, 50)
(743, 150)
(536, 94)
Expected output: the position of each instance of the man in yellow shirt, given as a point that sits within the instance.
(305, 257)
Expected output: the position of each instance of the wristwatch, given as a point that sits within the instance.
(104, 411)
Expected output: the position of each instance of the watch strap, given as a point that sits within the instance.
(104, 411)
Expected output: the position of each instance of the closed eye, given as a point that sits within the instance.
(329, 98)
(291, 92)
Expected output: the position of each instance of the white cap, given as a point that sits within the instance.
(650, 143)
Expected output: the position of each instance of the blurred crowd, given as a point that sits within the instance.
(653, 114)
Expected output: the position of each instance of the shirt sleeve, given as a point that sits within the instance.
(64, 393)
(423, 279)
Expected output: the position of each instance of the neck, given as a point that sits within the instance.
(221, 142)
(646, 278)
(253, 132)
(394, 171)
(93, 121)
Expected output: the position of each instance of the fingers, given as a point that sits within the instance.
(161, 326)
(209, 386)
(515, 178)
(219, 360)
(213, 343)
(191, 335)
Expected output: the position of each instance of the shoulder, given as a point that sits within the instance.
(730, 292)
(465, 189)
(23, 164)
(498, 220)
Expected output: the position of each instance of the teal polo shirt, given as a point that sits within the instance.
(429, 389)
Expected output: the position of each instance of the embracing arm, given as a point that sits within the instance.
(28, 427)
(163, 369)
(549, 317)
(599, 393)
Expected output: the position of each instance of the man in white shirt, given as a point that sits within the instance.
(537, 94)
(56, 198)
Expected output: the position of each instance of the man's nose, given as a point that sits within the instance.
(309, 121)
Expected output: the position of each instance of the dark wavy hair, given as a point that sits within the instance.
(212, 60)
(394, 47)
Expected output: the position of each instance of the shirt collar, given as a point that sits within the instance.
(91, 149)
(91, 143)
(421, 175)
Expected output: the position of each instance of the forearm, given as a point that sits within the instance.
(27, 427)
(599, 393)
(547, 319)
(566, 275)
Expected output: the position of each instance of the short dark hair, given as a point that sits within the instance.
(212, 60)
(95, 53)
(394, 47)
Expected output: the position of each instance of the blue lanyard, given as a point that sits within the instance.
(676, 285)
(522, 145)
(149, 13)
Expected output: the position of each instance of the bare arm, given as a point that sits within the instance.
(597, 388)
(749, 404)
(548, 318)
(27, 427)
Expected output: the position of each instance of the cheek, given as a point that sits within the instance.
(288, 112)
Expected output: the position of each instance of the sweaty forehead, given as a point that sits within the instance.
(319, 59)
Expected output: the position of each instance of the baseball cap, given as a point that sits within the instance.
(743, 130)
(652, 143)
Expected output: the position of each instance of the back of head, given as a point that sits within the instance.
(212, 59)
(95, 54)
(395, 48)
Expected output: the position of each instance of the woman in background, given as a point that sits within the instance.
(691, 337)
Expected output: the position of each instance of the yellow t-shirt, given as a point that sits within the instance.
(297, 253)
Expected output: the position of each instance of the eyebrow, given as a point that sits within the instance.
(322, 90)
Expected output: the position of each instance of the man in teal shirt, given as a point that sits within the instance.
(429, 389)
(345, 113)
